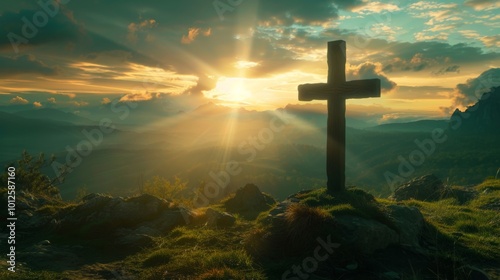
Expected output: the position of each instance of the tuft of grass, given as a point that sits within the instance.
(53, 209)
(491, 184)
(467, 226)
(304, 223)
(158, 257)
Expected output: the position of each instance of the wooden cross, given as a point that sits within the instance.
(336, 91)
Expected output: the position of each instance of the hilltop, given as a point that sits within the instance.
(449, 233)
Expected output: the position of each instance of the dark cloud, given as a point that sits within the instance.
(372, 71)
(421, 92)
(481, 4)
(470, 92)
(350, 4)
(448, 69)
(24, 64)
(292, 11)
(204, 83)
(420, 56)
(35, 27)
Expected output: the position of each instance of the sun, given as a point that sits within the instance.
(231, 90)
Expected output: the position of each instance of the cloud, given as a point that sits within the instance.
(37, 104)
(385, 30)
(416, 63)
(79, 103)
(105, 101)
(479, 5)
(375, 7)
(349, 4)
(193, 33)
(491, 41)
(420, 56)
(18, 100)
(370, 71)
(68, 94)
(423, 36)
(422, 92)
(448, 69)
(205, 83)
(469, 34)
(60, 28)
(52, 100)
(24, 64)
(287, 13)
(426, 5)
(140, 29)
(468, 93)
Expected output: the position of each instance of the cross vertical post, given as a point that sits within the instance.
(335, 143)
(336, 91)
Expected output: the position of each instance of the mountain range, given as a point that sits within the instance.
(192, 144)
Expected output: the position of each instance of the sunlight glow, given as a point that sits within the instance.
(243, 64)
(230, 89)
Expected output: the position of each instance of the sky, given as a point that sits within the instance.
(431, 56)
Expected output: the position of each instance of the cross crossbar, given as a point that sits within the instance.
(348, 90)
(336, 91)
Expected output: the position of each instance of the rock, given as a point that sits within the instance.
(42, 255)
(390, 275)
(365, 235)
(44, 243)
(30, 220)
(475, 273)
(170, 218)
(136, 239)
(409, 222)
(352, 266)
(425, 188)
(99, 214)
(219, 219)
(249, 199)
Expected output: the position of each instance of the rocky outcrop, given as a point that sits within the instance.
(249, 201)
(425, 188)
(399, 225)
(131, 221)
(218, 219)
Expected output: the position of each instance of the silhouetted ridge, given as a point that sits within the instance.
(482, 117)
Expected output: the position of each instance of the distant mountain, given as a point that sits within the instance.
(48, 136)
(317, 114)
(55, 115)
(482, 117)
(416, 126)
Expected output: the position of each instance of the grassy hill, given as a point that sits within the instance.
(459, 241)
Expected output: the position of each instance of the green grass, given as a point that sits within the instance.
(198, 253)
(30, 275)
(476, 229)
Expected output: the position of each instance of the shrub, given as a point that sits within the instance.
(30, 178)
(175, 191)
